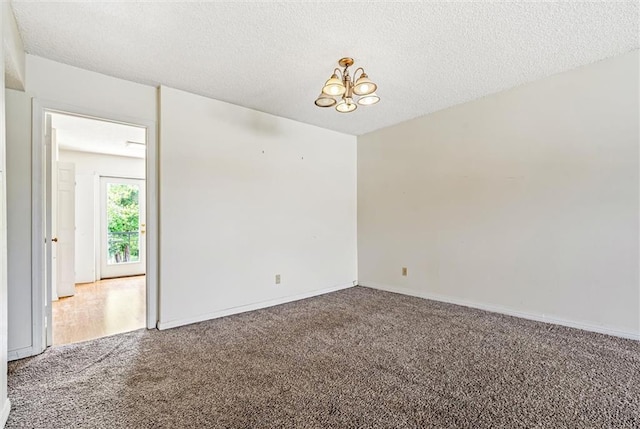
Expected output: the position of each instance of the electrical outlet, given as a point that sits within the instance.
(404, 271)
(277, 279)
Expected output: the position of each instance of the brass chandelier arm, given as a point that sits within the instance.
(355, 78)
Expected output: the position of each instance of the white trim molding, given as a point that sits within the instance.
(6, 409)
(22, 353)
(503, 310)
(251, 307)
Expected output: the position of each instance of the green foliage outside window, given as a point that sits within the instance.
(123, 213)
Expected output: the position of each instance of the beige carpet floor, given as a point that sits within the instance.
(357, 358)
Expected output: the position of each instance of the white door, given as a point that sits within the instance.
(123, 227)
(66, 230)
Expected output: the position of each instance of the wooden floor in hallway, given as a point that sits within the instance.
(98, 309)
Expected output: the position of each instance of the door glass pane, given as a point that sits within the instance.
(123, 223)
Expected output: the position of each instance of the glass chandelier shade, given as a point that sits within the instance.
(334, 86)
(346, 105)
(369, 99)
(364, 86)
(325, 100)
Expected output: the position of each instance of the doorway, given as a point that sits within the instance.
(96, 224)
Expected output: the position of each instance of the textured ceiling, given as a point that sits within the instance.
(275, 56)
(91, 135)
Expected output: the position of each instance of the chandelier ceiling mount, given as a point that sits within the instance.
(345, 62)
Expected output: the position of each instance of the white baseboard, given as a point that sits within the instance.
(21, 353)
(5, 413)
(503, 310)
(251, 307)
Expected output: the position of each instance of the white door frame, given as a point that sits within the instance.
(41, 293)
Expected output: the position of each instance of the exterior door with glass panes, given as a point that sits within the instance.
(122, 227)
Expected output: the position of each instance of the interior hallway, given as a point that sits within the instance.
(98, 309)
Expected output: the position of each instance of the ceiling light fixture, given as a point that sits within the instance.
(363, 89)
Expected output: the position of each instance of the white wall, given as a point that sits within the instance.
(245, 196)
(104, 165)
(524, 202)
(19, 220)
(5, 404)
(14, 56)
(308, 233)
(89, 168)
(53, 81)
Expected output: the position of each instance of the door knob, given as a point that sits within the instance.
(55, 240)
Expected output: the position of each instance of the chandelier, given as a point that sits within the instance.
(344, 88)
